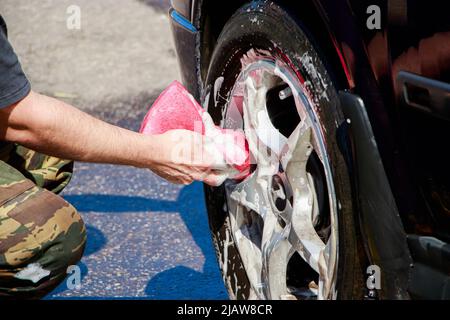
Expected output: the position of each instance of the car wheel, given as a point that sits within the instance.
(286, 231)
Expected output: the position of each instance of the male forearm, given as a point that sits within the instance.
(53, 127)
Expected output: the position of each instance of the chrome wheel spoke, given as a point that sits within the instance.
(276, 253)
(298, 147)
(265, 141)
(252, 194)
(307, 242)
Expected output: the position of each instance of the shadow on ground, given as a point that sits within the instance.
(179, 282)
(95, 241)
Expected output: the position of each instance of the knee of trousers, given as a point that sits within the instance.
(47, 236)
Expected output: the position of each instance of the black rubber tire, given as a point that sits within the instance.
(264, 25)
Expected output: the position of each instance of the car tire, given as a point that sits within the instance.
(266, 27)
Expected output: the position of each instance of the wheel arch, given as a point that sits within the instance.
(308, 13)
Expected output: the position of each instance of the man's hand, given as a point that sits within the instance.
(55, 128)
(185, 156)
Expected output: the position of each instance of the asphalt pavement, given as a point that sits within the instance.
(146, 238)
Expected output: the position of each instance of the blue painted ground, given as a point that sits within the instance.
(146, 238)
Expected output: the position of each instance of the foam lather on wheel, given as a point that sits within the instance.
(175, 108)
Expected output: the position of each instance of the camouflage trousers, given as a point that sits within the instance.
(40, 233)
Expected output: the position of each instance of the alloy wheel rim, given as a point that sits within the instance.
(275, 212)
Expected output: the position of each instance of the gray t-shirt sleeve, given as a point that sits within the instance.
(14, 85)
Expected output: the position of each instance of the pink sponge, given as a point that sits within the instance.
(175, 108)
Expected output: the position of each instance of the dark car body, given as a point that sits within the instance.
(400, 76)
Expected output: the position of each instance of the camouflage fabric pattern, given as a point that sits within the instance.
(40, 233)
(46, 172)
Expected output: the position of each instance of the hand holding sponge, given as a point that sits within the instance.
(175, 108)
